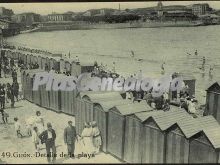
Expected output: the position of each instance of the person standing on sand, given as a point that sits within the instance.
(196, 53)
(12, 97)
(97, 141)
(2, 97)
(39, 122)
(69, 138)
(18, 127)
(162, 69)
(35, 138)
(48, 137)
(87, 139)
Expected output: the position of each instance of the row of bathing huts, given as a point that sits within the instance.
(130, 131)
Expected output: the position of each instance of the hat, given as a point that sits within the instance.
(70, 122)
(93, 123)
(86, 124)
(49, 125)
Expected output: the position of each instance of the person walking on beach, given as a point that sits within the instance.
(2, 97)
(69, 138)
(35, 138)
(48, 137)
(162, 68)
(39, 122)
(97, 141)
(12, 97)
(87, 139)
(196, 52)
(4, 116)
(15, 87)
(18, 127)
(210, 71)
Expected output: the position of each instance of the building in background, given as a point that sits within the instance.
(201, 9)
(60, 17)
(9, 28)
(26, 20)
(6, 14)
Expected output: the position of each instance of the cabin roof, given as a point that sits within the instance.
(213, 134)
(99, 95)
(191, 126)
(212, 84)
(143, 116)
(188, 126)
(133, 108)
(108, 104)
(170, 118)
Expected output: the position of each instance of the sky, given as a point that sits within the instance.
(48, 8)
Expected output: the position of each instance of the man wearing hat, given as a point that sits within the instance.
(69, 138)
(48, 137)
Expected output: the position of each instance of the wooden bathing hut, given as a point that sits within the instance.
(35, 60)
(117, 126)
(68, 100)
(43, 62)
(102, 102)
(146, 136)
(84, 106)
(68, 66)
(39, 61)
(55, 95)
(62, 65)
(32, 58)
(75, 69)
(55, 63)
(205, 145)
(24, 58)
(190, 81)
(79, 68)
(48, 62)
(86, 67)
(28, 58)
(28, 79)
(213, 100)
(45, 99)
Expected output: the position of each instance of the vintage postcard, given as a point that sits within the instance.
(110, 82)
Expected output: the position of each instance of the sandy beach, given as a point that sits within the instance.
(15, 146)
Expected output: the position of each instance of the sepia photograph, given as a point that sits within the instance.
(110, 82)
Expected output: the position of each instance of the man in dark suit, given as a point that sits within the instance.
(69, 138)
(48, 137)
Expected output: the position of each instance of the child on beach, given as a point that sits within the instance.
(18, 127)
(35, 138)
(4, 116)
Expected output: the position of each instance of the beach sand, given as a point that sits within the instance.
(10, 143)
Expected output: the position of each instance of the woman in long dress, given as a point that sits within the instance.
(39, 122)
(97, 141)
(87, 139)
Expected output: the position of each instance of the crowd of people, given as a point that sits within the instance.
(164, 101)
(8, 91)
(90, 138)
(89, 141)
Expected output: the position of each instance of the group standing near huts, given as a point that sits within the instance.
(134, 130)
